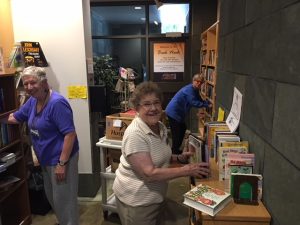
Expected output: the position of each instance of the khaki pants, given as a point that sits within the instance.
(141, 215)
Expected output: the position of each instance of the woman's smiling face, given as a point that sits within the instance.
(150, 109)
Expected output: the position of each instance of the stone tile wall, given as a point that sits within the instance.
(259, 53)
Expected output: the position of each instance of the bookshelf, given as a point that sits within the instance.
(14, 200)
(208, 67)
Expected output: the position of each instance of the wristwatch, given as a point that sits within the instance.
(62, 163)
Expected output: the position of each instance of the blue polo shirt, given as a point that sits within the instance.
(48, 127)
(186, 98)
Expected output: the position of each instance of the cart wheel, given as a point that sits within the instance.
(105, 214)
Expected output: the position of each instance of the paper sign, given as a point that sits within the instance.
(77, 92)
(117, 123)
(233, 118)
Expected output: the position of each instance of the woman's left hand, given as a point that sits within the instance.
(60, 172)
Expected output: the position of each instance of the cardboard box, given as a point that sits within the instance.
(116, 126)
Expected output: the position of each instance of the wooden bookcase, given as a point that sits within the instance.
(208, 67)
(14, 200)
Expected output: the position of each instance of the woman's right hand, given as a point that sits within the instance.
(198, 170)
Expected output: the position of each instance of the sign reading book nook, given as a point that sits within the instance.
(168, 61)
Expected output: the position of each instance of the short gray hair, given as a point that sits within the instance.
(35, 71)
(199, 77)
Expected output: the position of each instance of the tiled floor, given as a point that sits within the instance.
(91, 211)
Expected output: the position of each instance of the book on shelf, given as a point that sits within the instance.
(222, 154)
(15, 59)
(211, 129)
(207, 199)
(239, 163)
(246, 188)
(221, 137)
(196, 145)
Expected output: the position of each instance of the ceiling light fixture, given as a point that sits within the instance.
(158, 3)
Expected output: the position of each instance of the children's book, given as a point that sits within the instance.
(239, 163)
(207, 199)
(222, 154)
(246, 188)
(222, 137)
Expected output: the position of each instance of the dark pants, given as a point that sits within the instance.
(178, 131)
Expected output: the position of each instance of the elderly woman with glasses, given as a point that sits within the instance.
(142, 178)
(50, 120)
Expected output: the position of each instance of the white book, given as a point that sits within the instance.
(207, 199)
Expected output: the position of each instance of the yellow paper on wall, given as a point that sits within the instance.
(77, 92)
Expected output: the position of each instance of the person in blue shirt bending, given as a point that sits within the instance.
(180, 105)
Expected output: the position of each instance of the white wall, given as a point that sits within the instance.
(58, 26)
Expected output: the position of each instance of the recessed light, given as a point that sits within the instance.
(137, 7)
(143, 18)
(156, 23)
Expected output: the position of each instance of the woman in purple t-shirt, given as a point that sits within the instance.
(50, 121)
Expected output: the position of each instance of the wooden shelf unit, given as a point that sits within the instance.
(14, 199)
(208, 67)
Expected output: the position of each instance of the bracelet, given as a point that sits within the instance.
(180, 161)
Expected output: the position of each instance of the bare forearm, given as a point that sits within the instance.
(67, 146)
(159, 174)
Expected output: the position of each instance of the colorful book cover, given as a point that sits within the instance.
(207, 199)
(222, 137)
(222, 154)
(246, 188)
(211, 133)
(33, 54)
(238, 160)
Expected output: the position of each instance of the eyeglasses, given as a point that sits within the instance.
(148, 105)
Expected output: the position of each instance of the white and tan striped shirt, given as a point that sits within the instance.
(128, 186)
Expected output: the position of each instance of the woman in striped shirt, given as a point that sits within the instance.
(142, 178)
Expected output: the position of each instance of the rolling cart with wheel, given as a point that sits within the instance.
(108, 202)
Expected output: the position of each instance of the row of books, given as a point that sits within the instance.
(209, 73)
(7, 134)
(235, 167)
(208, 57)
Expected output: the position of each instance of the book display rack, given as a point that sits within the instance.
(230, 156)
(14, 200)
